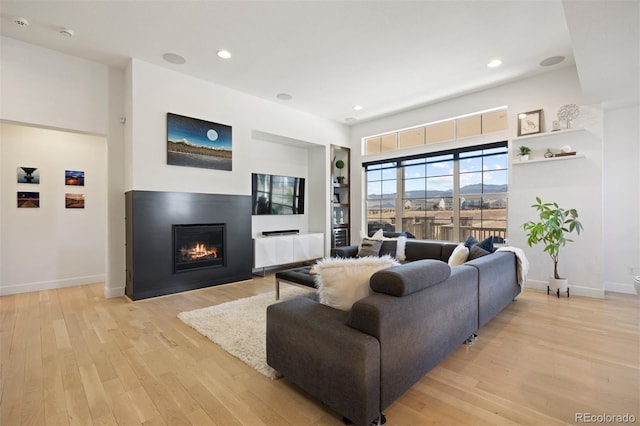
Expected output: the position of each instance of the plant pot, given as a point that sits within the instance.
(558, 284)
(524, 157)
(340, 179)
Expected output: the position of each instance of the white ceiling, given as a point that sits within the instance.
(331, 55)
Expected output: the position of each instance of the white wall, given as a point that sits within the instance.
(50, 89)
(621, 203)
(577, 184)
(51, 246)
(267, 137)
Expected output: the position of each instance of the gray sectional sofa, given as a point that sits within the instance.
(359, 362)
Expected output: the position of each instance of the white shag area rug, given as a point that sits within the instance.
(240, 326)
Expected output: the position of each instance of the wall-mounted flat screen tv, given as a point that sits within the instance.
(273, 194)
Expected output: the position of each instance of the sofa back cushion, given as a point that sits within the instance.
(410, 278)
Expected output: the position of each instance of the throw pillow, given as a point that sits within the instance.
(459, 255)
(369, 247)
(342, 282)
(400, 247)
(486, 244)
(476, 251)
(378, 234)
(470, 241)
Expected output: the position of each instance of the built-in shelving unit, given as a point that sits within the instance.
(547, 134)
(545, 160)
(340, 204)
(555, 138)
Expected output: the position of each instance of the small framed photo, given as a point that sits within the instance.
(530, 123)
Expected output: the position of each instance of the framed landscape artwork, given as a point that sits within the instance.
(28, 200)
(197, 143)
(74, 177)
(28, 175)
(530, 123)
(74, 201)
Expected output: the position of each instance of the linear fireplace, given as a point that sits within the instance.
(198, 246)
(180, 241)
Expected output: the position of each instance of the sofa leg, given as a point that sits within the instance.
(474, 336)
(382, 419)
(469, 341)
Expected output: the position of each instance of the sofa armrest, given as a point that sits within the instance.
(310, 344)
(346, 251)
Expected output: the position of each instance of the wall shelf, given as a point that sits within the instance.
(547, 134)
(544, 160)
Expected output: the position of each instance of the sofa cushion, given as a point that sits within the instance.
(476, 251)
(342, 282)
(410, 277)
(369, 247)
(420, 249)
(389, 247)
(459, 255)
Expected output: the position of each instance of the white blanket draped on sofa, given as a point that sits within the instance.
(522, 264)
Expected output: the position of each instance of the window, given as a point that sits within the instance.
(444, 196)
(382, 189)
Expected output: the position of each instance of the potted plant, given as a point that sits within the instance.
(551, 230)
(524, 153)
(340, 166)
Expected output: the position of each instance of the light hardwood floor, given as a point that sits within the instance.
(70, 356)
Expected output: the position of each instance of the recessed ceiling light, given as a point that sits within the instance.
(357, 107)
(284, 96)
(174, 58)
(224, 54)
(67, 32)
(20, 21)
(552, 60)
(494, 63)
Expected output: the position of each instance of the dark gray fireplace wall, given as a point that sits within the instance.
(149, 239)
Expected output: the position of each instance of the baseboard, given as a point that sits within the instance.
(111, 293)
(574, 290)
(620, 287)
(50, 285)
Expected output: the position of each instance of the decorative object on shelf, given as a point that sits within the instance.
(548, 154)
(341, 217)
(340, 166)
(551, 230)
(555, 126)
(28, 175)
(336, 198)
(192, 142)
(568, 113)
(530, 123)
(564, 151)
(524, 153)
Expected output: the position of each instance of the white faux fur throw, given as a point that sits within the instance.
(342, 282)
(522, 263)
